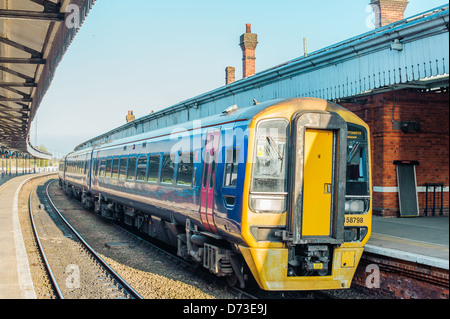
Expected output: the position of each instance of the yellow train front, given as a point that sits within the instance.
(307, 206)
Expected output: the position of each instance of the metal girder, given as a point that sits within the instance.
(34, 53)
(17, 84)
(15, 99)
(48, 5)
(31, 15)
(23, 60)
(20, 75)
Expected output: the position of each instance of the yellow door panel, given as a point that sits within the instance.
(317, 183)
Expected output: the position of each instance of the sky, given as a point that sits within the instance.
(146, 55)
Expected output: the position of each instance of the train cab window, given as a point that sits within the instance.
(108, 168)
(141, 168)
(167, 169)
(123, 168)
(231, 167)
(115, 168)
(102, 168)
(357, 199)
(270, 158)
(153, 168)
(268, 192)
(185, 168)
(131, 168)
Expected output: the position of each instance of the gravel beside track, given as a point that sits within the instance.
(152, 275)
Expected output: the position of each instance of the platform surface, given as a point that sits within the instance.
(15, 277)
(424, 240)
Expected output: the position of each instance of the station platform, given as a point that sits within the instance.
(15, 277)
(424, 240)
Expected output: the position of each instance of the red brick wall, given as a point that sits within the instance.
(398, 279)
(429, 146)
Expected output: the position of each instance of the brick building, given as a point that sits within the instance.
(427, 143)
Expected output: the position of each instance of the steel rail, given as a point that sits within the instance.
(41, 249)
(133, 293)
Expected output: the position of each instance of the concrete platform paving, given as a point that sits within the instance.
(424, 240)
(15, 277)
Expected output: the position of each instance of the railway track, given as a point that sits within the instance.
(75, 269)
(102, 284)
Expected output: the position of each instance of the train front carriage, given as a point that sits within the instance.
(281, 188)
(307, 201)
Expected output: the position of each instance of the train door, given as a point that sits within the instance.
(208, 180)
(318, 185)
(94, 173)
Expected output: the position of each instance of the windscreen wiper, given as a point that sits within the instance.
(275, 147)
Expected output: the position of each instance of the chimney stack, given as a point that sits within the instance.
(130, 116)
(248, 44)
(229, 74)
(388, 11)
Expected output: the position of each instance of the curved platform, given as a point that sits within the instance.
(15, 277)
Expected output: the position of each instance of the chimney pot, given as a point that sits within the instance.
(248, 28)
(130, 117)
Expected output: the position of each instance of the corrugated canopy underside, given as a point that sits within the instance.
(33, 40)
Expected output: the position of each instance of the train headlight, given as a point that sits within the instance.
(354, 234)
(267, 204)
(354, 206)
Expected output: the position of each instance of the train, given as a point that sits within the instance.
(277, 192)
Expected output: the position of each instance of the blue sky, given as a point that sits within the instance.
(145, 55)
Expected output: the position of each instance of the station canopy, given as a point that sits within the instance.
(34, 35)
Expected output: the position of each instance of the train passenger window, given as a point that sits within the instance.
(141, 168)
(153, 168)
(185, 168)
(270, 157)
(231, 167)
(167, 169)
(131, 168)
(123, 168)
(102, 167)
(115, 168)
(108, 168)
